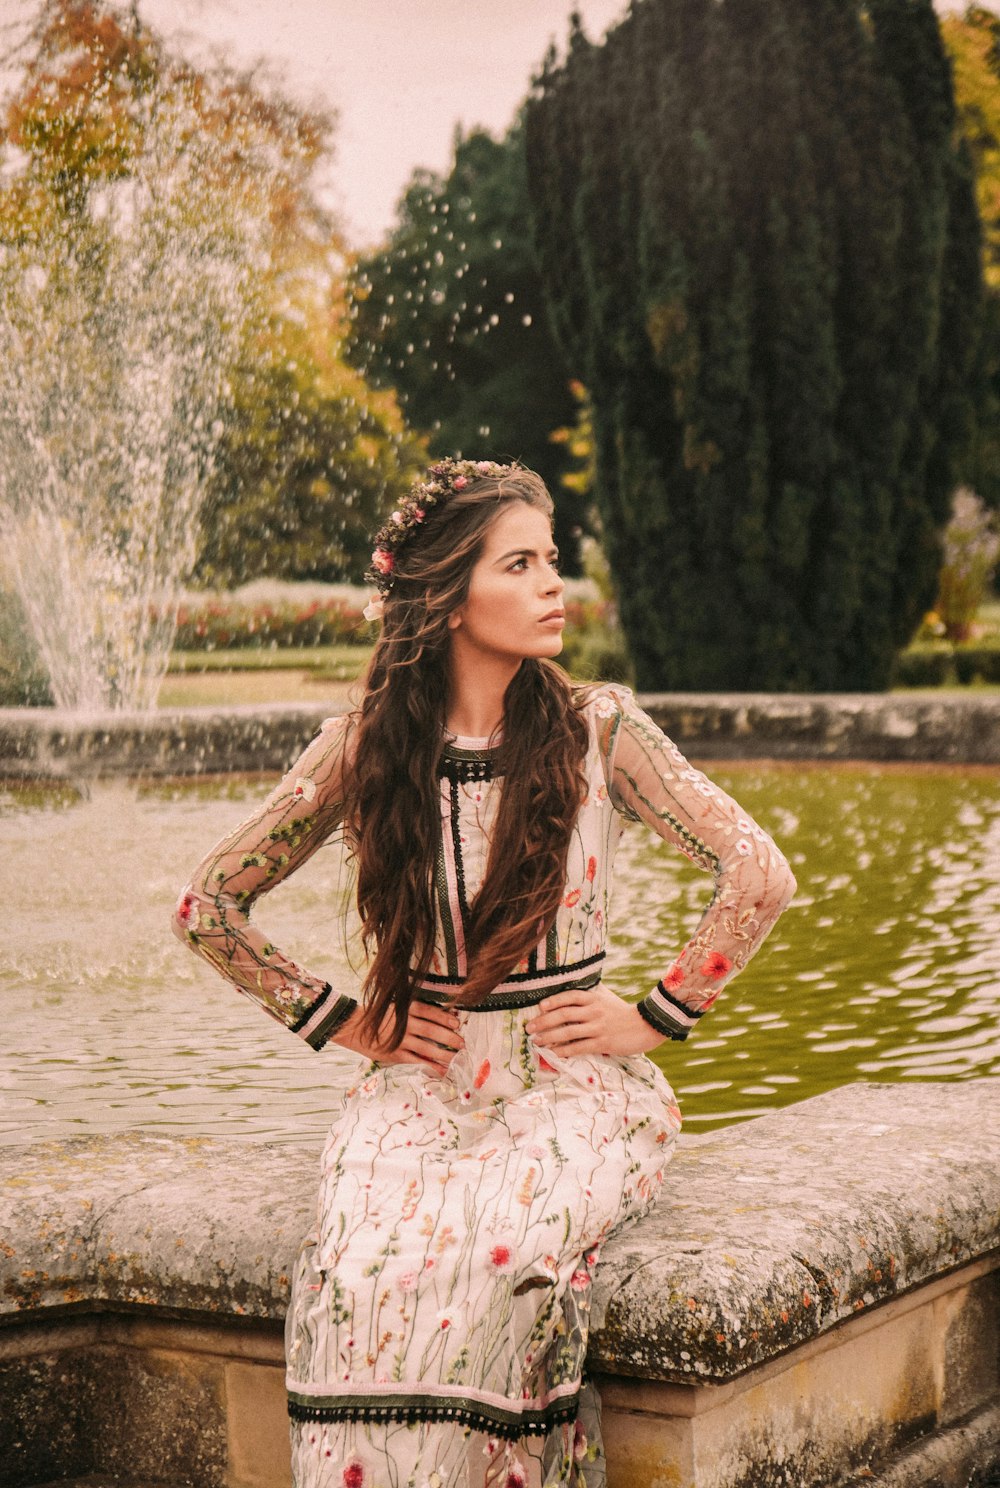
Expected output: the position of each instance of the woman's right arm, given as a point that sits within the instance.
(213, 915)
(213, 912)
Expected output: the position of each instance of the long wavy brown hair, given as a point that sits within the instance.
(392, 800)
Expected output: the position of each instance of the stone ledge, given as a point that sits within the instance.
(947, 727)
(815, 1303)
(768, 1234)
(46, 744)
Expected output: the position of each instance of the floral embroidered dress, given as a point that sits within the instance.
(438, 1325)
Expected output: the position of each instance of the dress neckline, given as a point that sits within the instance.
(470, 741)
(465, 759)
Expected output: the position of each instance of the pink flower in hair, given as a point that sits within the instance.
(382, 561)
(459, 483)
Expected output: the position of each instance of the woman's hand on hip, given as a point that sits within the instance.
(432, 1038)
(591, 1021)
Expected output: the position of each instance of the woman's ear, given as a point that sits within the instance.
(455, 619)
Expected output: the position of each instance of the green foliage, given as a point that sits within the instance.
(593, 644)
(973, 44)
(310, 459)
(757, 230)
(925, 665)
(929, 664)
(451, 314)
(971, 547)
(977, 663)
(23, 679)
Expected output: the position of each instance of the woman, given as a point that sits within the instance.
(507, 1121)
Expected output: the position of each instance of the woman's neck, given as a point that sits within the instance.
(476, 694)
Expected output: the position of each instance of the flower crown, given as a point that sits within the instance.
(444, 478)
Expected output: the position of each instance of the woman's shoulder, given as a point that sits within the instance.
(337, 723)
(604, 700)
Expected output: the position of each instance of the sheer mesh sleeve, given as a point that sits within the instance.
(213, 912)
(649, 780)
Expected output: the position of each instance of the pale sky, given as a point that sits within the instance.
(401, 73)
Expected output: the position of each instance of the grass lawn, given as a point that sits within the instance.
(307, 674)
(340, 662)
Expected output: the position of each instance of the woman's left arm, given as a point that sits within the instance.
(649, 780)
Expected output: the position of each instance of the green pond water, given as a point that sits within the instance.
(886, 967)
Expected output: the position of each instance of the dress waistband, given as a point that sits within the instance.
(521, 989)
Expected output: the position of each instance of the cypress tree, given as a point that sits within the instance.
(758, 234)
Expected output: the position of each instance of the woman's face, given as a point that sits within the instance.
(514, 607)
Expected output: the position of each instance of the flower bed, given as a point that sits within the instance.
(217, 626)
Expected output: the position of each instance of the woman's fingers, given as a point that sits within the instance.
(446, 1035)
(561, 1024)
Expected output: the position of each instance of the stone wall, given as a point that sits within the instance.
(813, 1303)
(44, 744)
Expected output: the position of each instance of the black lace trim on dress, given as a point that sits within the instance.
(507, 1424)
(468, 771)
(500, 1002)
(456, 842)
(335, 1019)
(465, 766)
(569, 969)
(661, 1021)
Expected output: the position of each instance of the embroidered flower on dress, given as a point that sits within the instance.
(743, 848)
(305, 789)
(674, 977)
(407, 1282)
(580, 1281)
(605, 707)
(572, 898)
(591, 868)
(445, 1319)
(716, 965)
(482, 1074)
(187, 910)
(516, 1476)
(354, 1475)
(502, 1259)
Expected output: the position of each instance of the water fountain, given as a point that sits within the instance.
(120, 320)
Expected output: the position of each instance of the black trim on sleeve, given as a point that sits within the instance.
(659, 1020)
(336, 1018)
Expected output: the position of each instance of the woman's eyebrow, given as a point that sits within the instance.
(527, 553)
